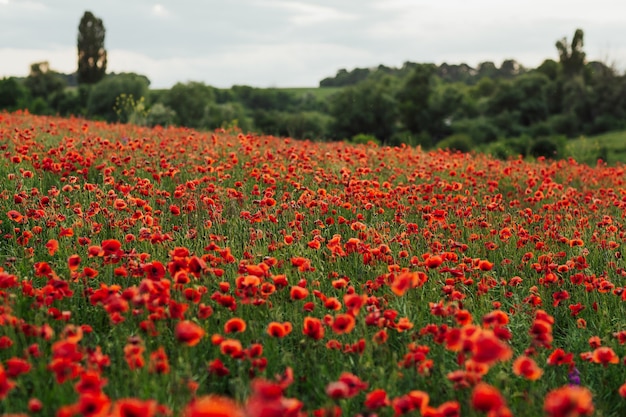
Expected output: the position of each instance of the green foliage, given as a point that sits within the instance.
(13, 94)
(71, 101)
(485, 88)
(510, 147)
(550, 68)
(160, 115)
(366, 108)
(92, 57)
(500, 150)
(572, 57)
(549, 147)
(363, 139)
(422, 139)
(565, 124)
(129, 110)
(39, 106)
(479, 129)
(269, 99)
(191, 102)
(533, 105)
(306, 125)
(103, 96)
(346, 78)
(590, 150)
(231, 114)
(487, 69)
(457, 142)
(413, 99)
(43, 82)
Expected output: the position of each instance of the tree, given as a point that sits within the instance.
(368, 108)
(572, 56)
(191, 102)
(12, 94)
(43, 82)
(413, 99)
(92, 57)
(103, 96)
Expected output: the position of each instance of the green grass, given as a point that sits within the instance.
(611, 147)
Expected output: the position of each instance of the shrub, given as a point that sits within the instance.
(457, 142)
(549, 147)
(501, 150)
(364, 139)
(161, 115)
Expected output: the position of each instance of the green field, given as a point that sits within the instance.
(612, 145)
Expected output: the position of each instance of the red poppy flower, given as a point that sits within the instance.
(569, 401)
(279, 330)
(605, 356)
(134, 407)
(232, 348)
(486, 398)
(343, 323)
(337, 390)
(376, 399)
(35, 405)
(159, 363)
(234, 325)
(212, 406)
(93, 404)
(217, 367)
(526, 367)
(313, 328)
(487, 349)
(90, 382)
(559, 357)
(73, 262)
(188, 332)
(434, 261)
(298, 293)
(6, 384)
(154, 270)
(17, 366)
(52, 246)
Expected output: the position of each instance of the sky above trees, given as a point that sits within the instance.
(287, 43)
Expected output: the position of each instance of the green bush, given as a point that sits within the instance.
(457, 142)
(510, 147)
(161, 115)
(103, 95)
(481, 130)
(13, 93)
(501, 150)
(548, 147)
(565, 124)
(422, 139)
(364, 139)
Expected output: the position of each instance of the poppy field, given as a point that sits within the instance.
(169, 272)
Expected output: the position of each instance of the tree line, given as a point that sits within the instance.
(419, 104)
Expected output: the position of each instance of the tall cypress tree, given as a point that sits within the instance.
(92, 57)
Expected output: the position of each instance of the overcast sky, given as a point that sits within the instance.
(284, 43)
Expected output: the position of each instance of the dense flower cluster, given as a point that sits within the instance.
(160, 272)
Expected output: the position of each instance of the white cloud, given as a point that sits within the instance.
(285, 65)
(305, 14)
(159, 10)
(27, 5)
(18, 61)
